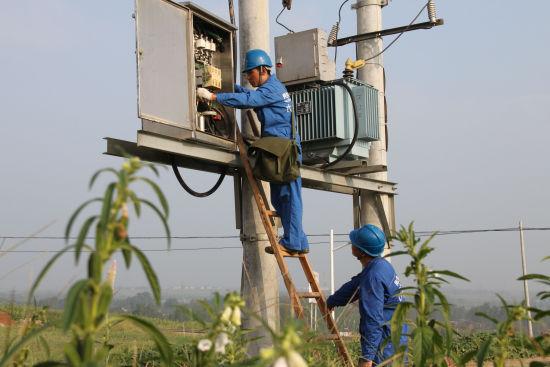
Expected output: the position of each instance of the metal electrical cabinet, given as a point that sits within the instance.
(179, 47)
(303, 57)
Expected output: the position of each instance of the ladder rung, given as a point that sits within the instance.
(272, 213)
(309, 294)
(285, 253)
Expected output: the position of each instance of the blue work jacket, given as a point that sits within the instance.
(376, 287)
(272, 105)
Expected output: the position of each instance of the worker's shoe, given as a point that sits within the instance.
(285, 251)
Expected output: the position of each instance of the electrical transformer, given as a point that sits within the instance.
(179, 47)
(323, 107)
(326, 120)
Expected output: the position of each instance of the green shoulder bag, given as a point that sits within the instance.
(276, 158)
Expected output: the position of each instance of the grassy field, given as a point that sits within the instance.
(131, 343)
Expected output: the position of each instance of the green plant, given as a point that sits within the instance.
(284, 351)
(87, 302)
(223, 342)
(429, 339)
(31, 322)
(542, 295)
(541, 343)
(500, 342)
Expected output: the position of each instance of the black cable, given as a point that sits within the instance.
(338, 29)
(281, 24)
(356, 124)
(190, 190)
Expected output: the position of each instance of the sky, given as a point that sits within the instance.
(468, 129)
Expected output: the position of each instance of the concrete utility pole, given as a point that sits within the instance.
(259, 279)
(369, 19)
(525, 285)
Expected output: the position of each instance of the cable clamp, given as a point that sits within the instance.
(254, 237)
(361, 3)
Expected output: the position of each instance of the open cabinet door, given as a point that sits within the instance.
(163, 54)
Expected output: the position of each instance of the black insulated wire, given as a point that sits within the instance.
(190, 190)
(281, 24)
(356, 124)
(338, 29)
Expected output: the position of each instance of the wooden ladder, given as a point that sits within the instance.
(279, 252)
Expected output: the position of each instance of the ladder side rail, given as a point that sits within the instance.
(322, 304)
(267, 222)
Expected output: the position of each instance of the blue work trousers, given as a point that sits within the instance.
(287, 200)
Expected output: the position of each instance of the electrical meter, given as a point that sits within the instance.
(179, 48)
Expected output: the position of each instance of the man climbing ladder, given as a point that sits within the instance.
(273, 107)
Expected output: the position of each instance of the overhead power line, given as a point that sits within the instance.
(419, 233)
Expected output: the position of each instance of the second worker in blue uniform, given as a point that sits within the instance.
(273, 106)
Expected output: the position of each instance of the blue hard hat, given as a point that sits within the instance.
(255, 58)
(370, 239)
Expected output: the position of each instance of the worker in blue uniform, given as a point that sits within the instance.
(273, 106)
(376, 288)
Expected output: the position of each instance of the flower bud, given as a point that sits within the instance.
(236, 317)
(204, 345)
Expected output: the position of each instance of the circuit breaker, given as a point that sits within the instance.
(180, 47)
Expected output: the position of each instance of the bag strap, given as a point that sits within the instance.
(292, 125)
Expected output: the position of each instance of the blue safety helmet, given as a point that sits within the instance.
(255, 58)
(370, 239)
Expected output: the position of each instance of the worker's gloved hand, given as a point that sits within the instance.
(204, 94)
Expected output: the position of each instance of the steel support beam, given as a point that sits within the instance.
(385, 32)
(158, 149)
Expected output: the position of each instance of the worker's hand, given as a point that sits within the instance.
(363, 363)
(204, 94)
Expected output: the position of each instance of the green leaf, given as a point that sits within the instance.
(534, 276)
(152, 167)
(485, 316)
(541, 315)
(422, 345)
(105, 297)
(397, 321)
(162, 218)
(71, 303)
(396, 253)
(127, 255)
(448, 273)
(147, 269)
(106, 206)
(45, 346)
(45, 270)
(442, 299)
(20, 344)
(94, 267)
(160, 340)
(424, 252)
(96, 175)
(467, 357)
(82, 236)
(159, 193)
(136, 201)
(71, 355)
(75, 214)
(483, 351)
